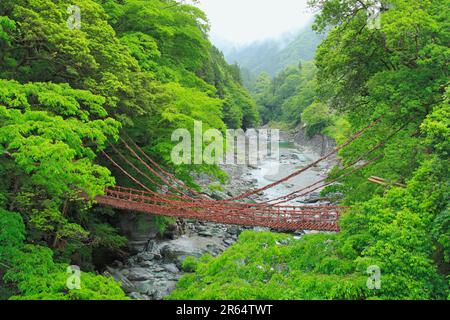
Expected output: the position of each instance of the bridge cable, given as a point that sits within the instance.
(175, 179)
(154, 171)
(126, 173)
(332, 181)
(142, 173)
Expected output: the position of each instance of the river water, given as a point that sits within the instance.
(292, 158)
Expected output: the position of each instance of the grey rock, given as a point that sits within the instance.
(146, 264)
(282, 243)
(151, 246)
(173, 231)
(234, 230)
(138, 296)
(205, 233)
(146, 287)
(171, 252)
(228, 242)
(218, 195)
(164, 288)
(126, 285)
(117, 263)
(171, 268)
(157, 269)
(139, 274)
(145, 256)
(132, 261)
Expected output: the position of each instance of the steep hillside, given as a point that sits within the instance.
(272, 56)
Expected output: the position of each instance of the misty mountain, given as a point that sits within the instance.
(274, 55)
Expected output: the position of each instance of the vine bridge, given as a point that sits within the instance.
(176, 199)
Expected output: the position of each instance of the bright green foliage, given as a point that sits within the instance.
(12, 234)
(149, 66)
(284, 97)
(49, 137)
(272, 266)
(367, 73)
(32, 270)
(90, 58)
(191, 80)
(316, 117)
(180, 33)
(172, 45)
(47, 133)
(6, 25)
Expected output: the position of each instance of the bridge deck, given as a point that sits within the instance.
(288, 218)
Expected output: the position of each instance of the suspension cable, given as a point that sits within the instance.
(154, 171)
(142, 173)
(164, 172)
(332, 181)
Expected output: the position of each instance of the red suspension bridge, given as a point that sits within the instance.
(176, 199)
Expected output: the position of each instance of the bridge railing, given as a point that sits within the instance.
(289, 212)
(279, 217)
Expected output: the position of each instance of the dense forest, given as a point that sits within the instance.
(143, 68)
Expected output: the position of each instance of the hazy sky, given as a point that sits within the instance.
(245, 21)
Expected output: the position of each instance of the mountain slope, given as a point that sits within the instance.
(272, 56)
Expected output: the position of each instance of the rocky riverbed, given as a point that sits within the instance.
(153, 272)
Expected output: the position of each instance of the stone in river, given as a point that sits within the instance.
(146, 287)
(145, 256)
(171, 268)
(138, 296)
(205, 233)
(139, 274)
(146, 264)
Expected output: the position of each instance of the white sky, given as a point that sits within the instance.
(244, 21)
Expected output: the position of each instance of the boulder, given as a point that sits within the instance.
(145, 256)
(146, 264)
(163, 289)
(218, 195)
(127, 285)
(171, 252)
(171, 268)
(138, 296)
(205, 233)
(146, 287)
(139, 274)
